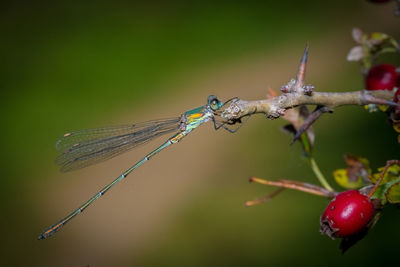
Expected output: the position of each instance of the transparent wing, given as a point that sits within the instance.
(86, 147)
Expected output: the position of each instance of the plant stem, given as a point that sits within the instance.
(319, 175)
(295, 185)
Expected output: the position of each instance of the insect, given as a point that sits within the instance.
(86, 147)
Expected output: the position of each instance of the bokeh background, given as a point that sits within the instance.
(71, 65)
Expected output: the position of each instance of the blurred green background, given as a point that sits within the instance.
(71, 65)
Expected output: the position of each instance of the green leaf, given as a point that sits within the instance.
(380, 43)
(343, 179)
(381, 192)
(392, 173)
(393, 193)
(355, 175)
(377, 38)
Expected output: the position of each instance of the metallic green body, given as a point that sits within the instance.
(190, 120)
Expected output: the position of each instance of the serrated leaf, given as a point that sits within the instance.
(343, 179)
(393, 193)
(381, 191)
(391, 174)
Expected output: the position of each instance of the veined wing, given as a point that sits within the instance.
(86, 147)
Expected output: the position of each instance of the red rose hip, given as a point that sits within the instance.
(382, 77)
(347, 214)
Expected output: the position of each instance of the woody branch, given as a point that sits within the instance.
(295, 93)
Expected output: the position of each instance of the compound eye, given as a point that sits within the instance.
(215, 104)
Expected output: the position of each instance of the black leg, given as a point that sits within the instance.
(217, 125)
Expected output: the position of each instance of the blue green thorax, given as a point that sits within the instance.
(195, 111)
(197, 116)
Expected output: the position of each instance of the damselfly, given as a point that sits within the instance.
(83, 148)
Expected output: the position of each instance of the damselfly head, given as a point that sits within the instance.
(214, 103)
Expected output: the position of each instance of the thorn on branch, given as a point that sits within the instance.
(297, 85)
(297, 94)
(366, 98)
(301, 73)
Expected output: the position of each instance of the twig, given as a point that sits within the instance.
(275, 107)
(264, 199)
(296, 93)
(300, 186)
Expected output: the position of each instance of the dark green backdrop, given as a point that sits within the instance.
(69, 65)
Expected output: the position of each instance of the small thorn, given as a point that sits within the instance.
(391, 103)
(305, 54)
(380, 101)
(301, 73)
